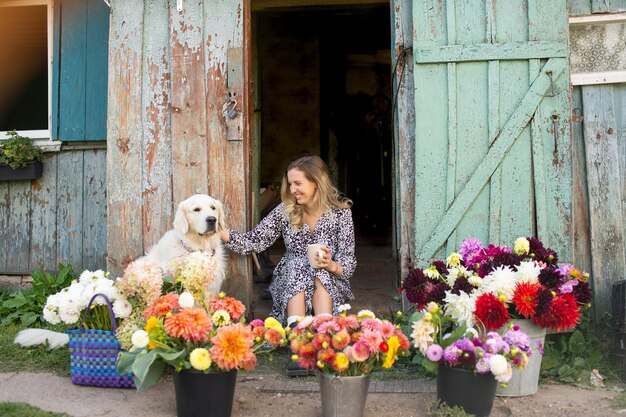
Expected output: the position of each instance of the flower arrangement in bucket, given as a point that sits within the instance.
(345, 350)
(188, 334)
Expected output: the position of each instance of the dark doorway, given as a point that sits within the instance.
(322, 86)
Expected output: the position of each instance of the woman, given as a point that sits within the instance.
(311, 212)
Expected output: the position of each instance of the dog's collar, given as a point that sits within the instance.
(188, 249)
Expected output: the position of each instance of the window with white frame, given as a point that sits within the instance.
(25, 67)
(598, 49)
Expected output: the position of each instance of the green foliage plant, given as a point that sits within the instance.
(25, 307)
(18, 150)
(11, 409)
(571, 357)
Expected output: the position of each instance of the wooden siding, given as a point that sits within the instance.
(585, 7)
(58, 218)
(170, 73)
(604, 130)
(79, 104)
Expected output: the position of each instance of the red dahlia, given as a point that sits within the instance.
(562, 314)
(491, 311)
(525, 298)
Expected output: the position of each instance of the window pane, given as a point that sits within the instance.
(23, 68)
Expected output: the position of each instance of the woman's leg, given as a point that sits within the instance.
(322, 301)
(296, 305)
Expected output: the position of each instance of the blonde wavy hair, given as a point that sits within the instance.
(326, 195)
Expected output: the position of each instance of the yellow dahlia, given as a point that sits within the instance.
(200, 359)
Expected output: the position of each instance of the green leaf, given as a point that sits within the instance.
(142, 364)
(172, 356)
(580, 362)
(577, 343)
(565, 370)
(125, 362)
(430, 366)
(29, 318)
(454, 336)
(153, 375)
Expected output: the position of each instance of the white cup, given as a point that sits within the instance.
(312, 250)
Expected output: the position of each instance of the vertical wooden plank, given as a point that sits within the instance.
(495, 185)
(404, 132)
(581, 248)
(472, 119)
(431, 125)
(124, 135)
(552, 144)
(579, 7)
(94, 233)
(451, 30)
(224, 29)
(5, 203)
(600, 6)
(44, 216)
(188, 119)
(73, 64)
(70, 209)
(607, 239)
(516, 212)
(19, 226)
(157, 147)
(619, 94)
(96, 70)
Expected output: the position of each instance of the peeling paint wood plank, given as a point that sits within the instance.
(607, 224)
(5, 203)
(96, 69)
(600, 6)
(581, 244)
(19, 226)
(125, 135)
(223, 29)
(579, 7)
(472, 119)
(490, 52)
(495, 184)
(619, 94)
(404, 133)
(157, 144)
(188, 117)
(431, 126)
(516, 212)
(44, 216)
(70, 209)
(553, 116)
(94, 233)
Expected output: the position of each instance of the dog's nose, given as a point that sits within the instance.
(211, 220)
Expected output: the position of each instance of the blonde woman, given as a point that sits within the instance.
(312, 211)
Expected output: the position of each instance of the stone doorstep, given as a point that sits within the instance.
(310, 384)
(15, 282)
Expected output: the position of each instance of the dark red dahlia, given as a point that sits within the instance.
(415, 285)
(544, 299)
(563, 313)
(462, 284)
(550, 278)
(582, 292)
(436, 293)
(441, 266)
(539, 252)
(491, 311)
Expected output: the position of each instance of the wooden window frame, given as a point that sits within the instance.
(41, 137)
(603, 77)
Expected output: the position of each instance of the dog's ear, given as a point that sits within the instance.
(180, 220)
(221, 222)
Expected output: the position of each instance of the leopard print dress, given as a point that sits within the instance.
(293, 274)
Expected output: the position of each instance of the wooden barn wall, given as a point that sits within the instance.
(599, 132)
(58, 218)
(170, 72)
(585, 7)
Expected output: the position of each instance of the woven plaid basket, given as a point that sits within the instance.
(93, 354)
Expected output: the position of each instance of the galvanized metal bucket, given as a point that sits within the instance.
(343, 396)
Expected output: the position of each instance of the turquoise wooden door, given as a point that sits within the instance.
(493, 157)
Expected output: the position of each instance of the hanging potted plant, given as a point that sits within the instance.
(19, 158)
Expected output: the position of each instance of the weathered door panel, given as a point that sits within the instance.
(172, 69)
(491, 105)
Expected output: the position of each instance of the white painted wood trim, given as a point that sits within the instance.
(598, 19)
(591, 78)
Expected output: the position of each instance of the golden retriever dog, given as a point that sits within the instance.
(197, 223)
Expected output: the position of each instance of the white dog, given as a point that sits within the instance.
(197, 223)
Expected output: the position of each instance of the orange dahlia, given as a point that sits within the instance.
(162, 306)
(232, 346)
(525, 298)
(233, 306)
(192, 324)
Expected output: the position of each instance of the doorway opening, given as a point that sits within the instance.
(322, 85)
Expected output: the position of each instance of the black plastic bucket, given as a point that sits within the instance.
(472, 391)
(199, 394)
